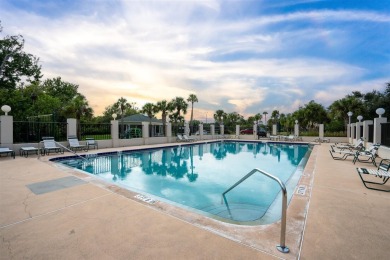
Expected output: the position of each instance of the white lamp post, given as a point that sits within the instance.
(360, 118)
(380, 112)
(349, 115)
(6, 109)
(114, 116)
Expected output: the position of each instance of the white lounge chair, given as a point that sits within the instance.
(382, 172)
(49, 144)
(7, 152)
(369, 155)
(189, 139)
(91, 142)
(74, 144)
(179, 138)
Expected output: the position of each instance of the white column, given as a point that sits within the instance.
(353, 132)
(254, 130)
(274, 130)
(296, 129)
(7, 131)
(366, 125)
(72, 126)
(237, 130)
(222, 127)
(145, 130)
(115, 133)
(168, 129)
(358, 133)
(187, 128)
(212, 129)
(378, 129)
(201, 131)
(321, 131)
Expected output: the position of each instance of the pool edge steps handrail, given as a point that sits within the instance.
(282, 247)
(69, 150)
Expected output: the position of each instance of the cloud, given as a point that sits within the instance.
(148, 51)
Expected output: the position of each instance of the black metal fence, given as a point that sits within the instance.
(32, 132)
(385, 134)
(371, 133)
(97, 131)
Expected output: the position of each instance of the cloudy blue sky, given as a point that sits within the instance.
(238, 55)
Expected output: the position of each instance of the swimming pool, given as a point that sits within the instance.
(195, 176)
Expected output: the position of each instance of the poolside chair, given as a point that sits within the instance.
(7, 151)
(357, 146)
(341, 154)
(49, 144)
(370, 155)
(382, 172)
(91, 142)
(188, 139)
(74, 144)
(179, 138)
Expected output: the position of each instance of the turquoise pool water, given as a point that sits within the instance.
(195, 176)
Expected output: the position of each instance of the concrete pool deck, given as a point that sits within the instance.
(341, 220)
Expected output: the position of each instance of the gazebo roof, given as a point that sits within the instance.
(138, 118)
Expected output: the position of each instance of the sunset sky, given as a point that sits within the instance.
(243, 56)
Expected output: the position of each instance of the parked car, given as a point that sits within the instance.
(261, 132)
(247, 131)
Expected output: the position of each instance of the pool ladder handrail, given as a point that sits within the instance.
(69, 150)
(282, 247)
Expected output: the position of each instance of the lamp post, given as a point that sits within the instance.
(380, 111)
(349, 115)
(360, 118)
(6, 109)
(114, 116)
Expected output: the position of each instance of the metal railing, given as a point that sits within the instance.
(282, 247)
(99, 131)
(385, 134)
(32, 132)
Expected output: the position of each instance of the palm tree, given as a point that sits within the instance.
(164, 107)
(258, 117)
(149, 109)
(219, 114)
(179, 105)
(192, 98)
(77, 108)
(265, 113)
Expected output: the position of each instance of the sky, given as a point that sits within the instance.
(236, 55)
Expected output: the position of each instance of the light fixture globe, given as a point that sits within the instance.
(114, 116)
(6, 109)
(380, 111)
(349, 113)
(360, 118)
(296, 121)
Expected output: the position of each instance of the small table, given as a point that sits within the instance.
(24, 151)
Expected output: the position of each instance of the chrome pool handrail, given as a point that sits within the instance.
(69, 150)
(282, 247)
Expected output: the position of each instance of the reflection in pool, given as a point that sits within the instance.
(194, 176)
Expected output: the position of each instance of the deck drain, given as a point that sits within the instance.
(301, 190)
(144, 199)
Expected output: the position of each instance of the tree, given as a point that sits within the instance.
(192, 98)
(121, 107)
(164, 107)
(179, 105)
(338, 109)
(62, 90)
(78, 108)
(258, 117)
(265, 113)
(315, 114)
(149, 109)
(219, 115)
(16, 65)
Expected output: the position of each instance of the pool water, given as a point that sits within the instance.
(195, 176)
